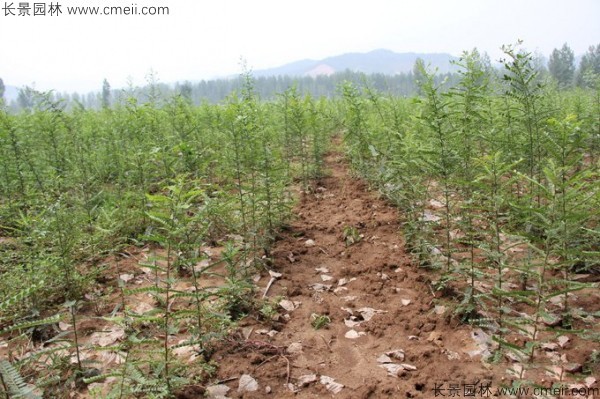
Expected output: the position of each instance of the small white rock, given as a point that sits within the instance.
(294, 348)
(384, 359)
(64, 326)
(247, 384)
(392, 368)
(368, 313)
(435, 204)
(331, 385)
(292, 388)
(435, 251)
(563, 340)
(275, 274)
(589, 381)
(200, 266)
(397, 354)
(217, 391)
(351, 323)
(288, 305)
(320, 287)
(353, 334)
(430, 217)
(307, 379)
(126, 277)
(550, 346)
(309, 243)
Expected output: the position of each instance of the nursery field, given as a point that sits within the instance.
(363, 246)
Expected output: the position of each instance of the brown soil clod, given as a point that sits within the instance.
(372, 260)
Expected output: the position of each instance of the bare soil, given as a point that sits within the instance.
(379, 275)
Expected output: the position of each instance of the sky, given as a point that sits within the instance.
(204, 39)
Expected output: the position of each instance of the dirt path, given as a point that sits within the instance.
(370, 282)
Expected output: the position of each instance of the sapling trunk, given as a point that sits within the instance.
(167, 318)
(539, 303)
(436, 117)
(72, 309)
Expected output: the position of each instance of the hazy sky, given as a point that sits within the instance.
(202, 39)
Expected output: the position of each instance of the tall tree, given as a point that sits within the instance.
(562, 65)
(185, 90)
(105, 94)
(418, 74)
(589, 67)
(25, 98)
(2, 89)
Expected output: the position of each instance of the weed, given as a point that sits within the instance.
(318, 321)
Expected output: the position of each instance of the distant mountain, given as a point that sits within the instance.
(377, 61)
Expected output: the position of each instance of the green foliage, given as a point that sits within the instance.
(497, 180)
(589, 68)
(12, 384)
(561, 65)
(2, 89)
(78, 187)
(105, 94)
(318, 321)
(351, 235)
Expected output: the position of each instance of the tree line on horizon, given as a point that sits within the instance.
(560, 68)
